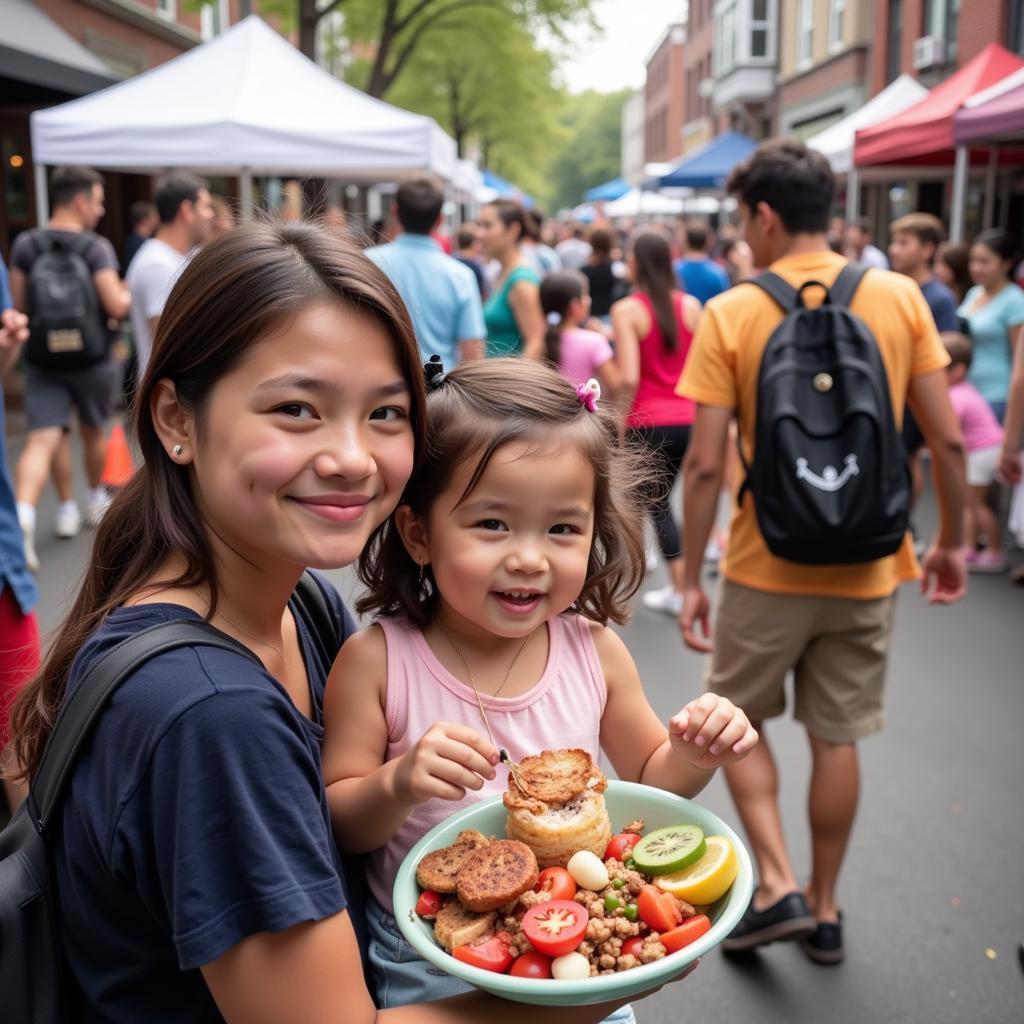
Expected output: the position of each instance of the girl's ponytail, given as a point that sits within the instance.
(557, 291)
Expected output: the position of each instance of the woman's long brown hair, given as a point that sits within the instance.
(655, 276)
(234, 293)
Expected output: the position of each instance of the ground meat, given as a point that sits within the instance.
(633, 879)
(592, 901)
(521, 944)
(627, 962)
(685, 909)
(623, 928)
(586, 948)
(610, 947)
(636, 827)
(652, 949)
(606, 962)
(531, 899)
(598, 931)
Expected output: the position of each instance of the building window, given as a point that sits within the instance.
(214, 18)
(942, 19)
(894, 41)
(760, 25)
(725, 39)
(1015, 35)
(805, 34)
(167, 9)
(836, 25)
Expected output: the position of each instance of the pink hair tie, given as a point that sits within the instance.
(588, 394)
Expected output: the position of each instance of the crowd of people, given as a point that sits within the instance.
(494, 509)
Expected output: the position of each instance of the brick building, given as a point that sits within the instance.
(664, 99)
(698, 128)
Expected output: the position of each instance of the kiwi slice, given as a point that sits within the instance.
(669, 849)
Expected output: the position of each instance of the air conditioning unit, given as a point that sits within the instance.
(929, 52)
(706, 88)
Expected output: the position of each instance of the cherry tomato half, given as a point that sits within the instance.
(531, 965)
(556, 927)
(493, 954)
(556, 881)
(620, 845)
(428, 904)
(690, 930)
(632, 947)
(658, 910)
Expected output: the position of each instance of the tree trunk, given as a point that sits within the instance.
(309, 18)
(380, 80)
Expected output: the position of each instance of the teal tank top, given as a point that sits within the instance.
(503, 337)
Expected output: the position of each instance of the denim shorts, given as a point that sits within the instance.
(401, 977)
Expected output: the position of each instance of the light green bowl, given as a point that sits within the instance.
(626, 801)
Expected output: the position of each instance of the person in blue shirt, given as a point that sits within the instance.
(441, 294)
(915, 242)
(698, 274)
(279, 421)
(19, 632)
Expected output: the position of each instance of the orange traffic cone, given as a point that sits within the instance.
(118, 468)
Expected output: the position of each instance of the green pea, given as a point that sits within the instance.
(629, 864)
(631, 912)
(619, 883)
(611, 903)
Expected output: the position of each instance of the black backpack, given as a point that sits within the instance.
(34, 988)
(67, 324)
(829, 477)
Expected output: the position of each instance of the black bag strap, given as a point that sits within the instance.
(310, 602)
(842, 291)
(79, 713)
(778, 289)
(78, 242)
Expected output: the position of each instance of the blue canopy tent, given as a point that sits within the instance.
(505, 189)
(709, 166)
(608, 192)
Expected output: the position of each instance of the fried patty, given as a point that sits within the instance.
(497, 874)
(440, 869)
(457, 926)
(553, 777)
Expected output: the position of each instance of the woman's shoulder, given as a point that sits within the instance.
(523, 272)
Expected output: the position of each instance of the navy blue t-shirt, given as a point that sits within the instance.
(942, 302)
(196, 816)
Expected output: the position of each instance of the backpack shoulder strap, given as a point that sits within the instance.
(311, 603)
(79, 713)
(784, 294)
(42, 241)
(842, 291)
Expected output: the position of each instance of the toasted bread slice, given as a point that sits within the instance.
(440, 869)
(554, 777)
(457, 926)
(497, 874)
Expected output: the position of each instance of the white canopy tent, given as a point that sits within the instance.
(835, 143)
(247, 103)
(640, 203)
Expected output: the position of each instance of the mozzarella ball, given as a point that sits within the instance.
(570, 967)
(588, 871)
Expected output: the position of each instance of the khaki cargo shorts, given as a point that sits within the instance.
(837, 649)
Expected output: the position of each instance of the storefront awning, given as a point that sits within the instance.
(997, 115)
(36, 50)
(607, 192)
(924, 132)
(711, 165)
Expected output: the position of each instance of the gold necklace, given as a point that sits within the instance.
(231, 622)
(503, 754)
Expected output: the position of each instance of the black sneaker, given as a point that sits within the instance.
(825, 944)
(787, 920)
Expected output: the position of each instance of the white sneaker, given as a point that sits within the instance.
(28, 538)
(713, 550)
(98, 508)
(69, 521)
(666, 600)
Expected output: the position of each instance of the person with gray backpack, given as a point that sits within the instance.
(817, 360)
(65, 277)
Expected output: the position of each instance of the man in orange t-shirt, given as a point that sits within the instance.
(828, 624)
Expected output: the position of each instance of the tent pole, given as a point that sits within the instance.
(42, 195)
(245, 187)
(1004, 203)
(853, 194)
(956, 215)
(990, 186)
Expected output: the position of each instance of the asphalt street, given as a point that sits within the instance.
(933, 887)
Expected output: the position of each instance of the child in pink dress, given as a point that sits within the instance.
(983, 440)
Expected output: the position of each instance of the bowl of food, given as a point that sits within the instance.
(572, 889)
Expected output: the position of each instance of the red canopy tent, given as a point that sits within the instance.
(924, 132)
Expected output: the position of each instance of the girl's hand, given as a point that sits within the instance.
(710, 732)
(448, 760)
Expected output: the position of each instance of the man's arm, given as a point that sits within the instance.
(471, 349)
(1013, 428)
(13, 334)
(114, 296)
(945, 579)
(19, 289)
(702, 482)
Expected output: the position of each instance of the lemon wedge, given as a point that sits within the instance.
(706, 880)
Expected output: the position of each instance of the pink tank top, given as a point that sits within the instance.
(656, 403)
(563, 709)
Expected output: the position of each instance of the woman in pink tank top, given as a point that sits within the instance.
(653, 330)
(494, 584)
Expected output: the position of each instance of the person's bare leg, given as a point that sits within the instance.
(62, 469)
(831, 808)
(94, 445)
(33, 467)
(754, 785)
(676, 567)
(985, 520)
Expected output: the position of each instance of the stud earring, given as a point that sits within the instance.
(177, 451)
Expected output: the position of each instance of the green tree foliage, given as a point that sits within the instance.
(591, 123)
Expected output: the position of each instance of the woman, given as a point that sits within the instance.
(951, 268)
(994, 311)
(279, 419)
(600, 274)
(653, 329)
(515, 323)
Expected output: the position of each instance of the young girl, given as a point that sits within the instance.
(577, 353)
(197, 879)
(518, 540)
